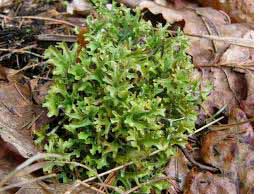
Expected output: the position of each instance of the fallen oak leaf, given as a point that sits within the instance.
(170, 15)
(206, 182)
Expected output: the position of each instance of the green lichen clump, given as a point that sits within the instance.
(126, 94)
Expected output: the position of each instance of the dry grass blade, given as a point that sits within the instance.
(209, 124)
(37, 157)
(23, 50)
(56, 37)
(26, 182)
(221, 127)
(237, 41)
(106, 173)
(116, 189)
(90, 187)
(46, 19)
(31, 168)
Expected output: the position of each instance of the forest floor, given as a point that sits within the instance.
(222, 52)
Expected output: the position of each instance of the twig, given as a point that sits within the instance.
(245, 67)
(237, 41)
(46, 19)
(221, 127)
(116, 189)
(22, 50)
(43, 78)
(56, 37)
(207, 24)
(90, 187)
(195, 163)
(26, 182)
(209, 124)
(28, 67)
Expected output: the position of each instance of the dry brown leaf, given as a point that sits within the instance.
(201, 22)
(39, 90)
(206, 182)
(79, 7)
(248, 104)
(239, 10)
(5, 3)
(17, 115)
(231, 150)
(170, 15)
(6, 166)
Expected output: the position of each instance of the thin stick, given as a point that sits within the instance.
(32, 168)
(22, 50)
(26, 182)
(90, 187)
(193, 162)
(237, 41)
(116, 189)
(56, 37)
(29, 66)
(221, 127)
(209, 124)
(46, 19)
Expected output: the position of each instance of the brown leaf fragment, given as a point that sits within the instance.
(170, 15)
(39, 90)
(208, 183)
(79, 7)
(239, 10)
(18, 114)
(231, 149)
(247, 105)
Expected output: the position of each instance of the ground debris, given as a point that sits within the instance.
(18, 113)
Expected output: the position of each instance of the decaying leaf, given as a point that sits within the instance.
(170, 15)
(6, 166)
(231, 149)
(5, 3)
(81, 7)
(199, 22)
(206, 182)
(39, 90)
(239, 10)
(17, 114)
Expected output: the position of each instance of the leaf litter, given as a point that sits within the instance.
(223, 55)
